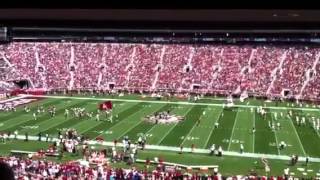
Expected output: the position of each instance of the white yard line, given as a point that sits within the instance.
(171, 128)
(151, 129)
(193, 127)
(177, 149)
(166, 134)
(100, 122)
(122, 121)
(253, 133)
(12, 99)
(170, 102)
(85, 130)
(275, 135)
(212, 129)
(185, 138)
(317, 133)
(128, 130)
(234, 125)
(297, 136)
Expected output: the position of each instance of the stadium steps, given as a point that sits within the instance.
(306, 82)
(274, 78)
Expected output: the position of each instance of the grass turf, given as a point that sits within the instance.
(235, 126)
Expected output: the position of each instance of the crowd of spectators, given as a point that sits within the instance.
(262, 69)
(31, 168)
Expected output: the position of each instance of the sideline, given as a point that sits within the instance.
(170, 102)
(177, 149)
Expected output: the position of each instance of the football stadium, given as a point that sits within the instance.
(128, 103)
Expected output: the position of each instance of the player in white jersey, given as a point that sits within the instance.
(258, 109)
(212, 149)
(273, 126)
(269, 124)
(275, 115)
(66, 113)
(26, 109)
(15, 134)
(278, 125)
(282, 145)
(5, 137)
(111, 118)
(253, 130)
(216, 125)
(98, 117)
(54, 111)
(124, 143)
(220, 151)
(34, 116)
(303, 120)
(297, 120)
(241, 148)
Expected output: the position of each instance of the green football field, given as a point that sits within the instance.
(235, 126)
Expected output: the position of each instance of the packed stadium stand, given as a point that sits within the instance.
(43, 169)
(170, 81)
(261, 69)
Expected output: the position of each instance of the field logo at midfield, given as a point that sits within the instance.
(16, 102)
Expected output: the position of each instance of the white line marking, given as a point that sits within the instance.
(12, 99)
(151, 129)
(177, 149)
(171, 102)
(254, 133)
(212, 129)
(275, 135)
(189, 133)
(297, 135)
(195, 124)
(122, 121)
(115, 112)
(234, 125)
